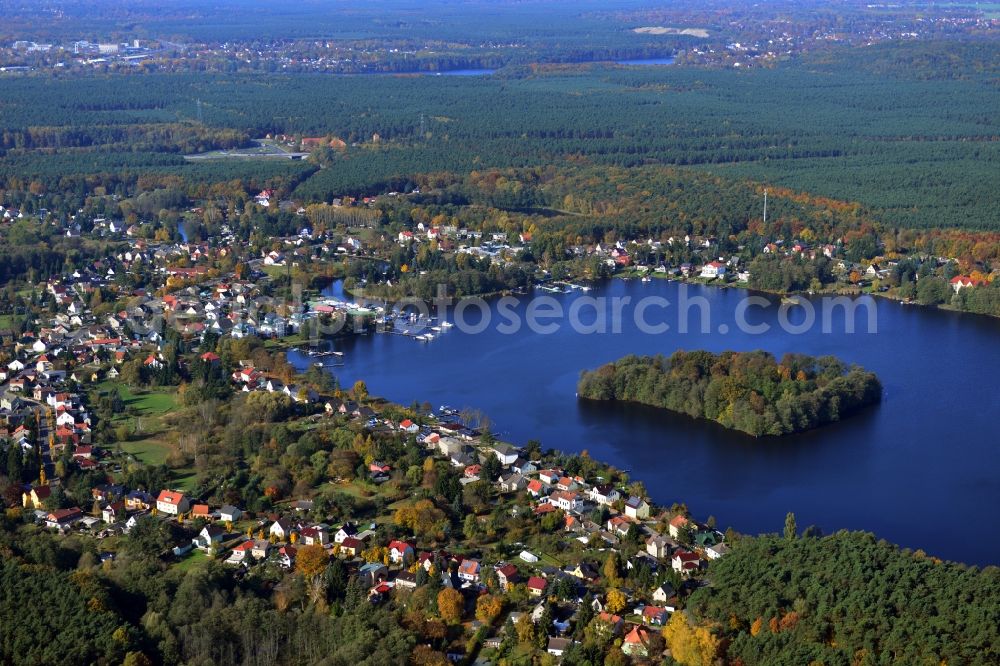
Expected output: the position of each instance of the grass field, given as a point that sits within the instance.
(148, 410)
(185, 479)
(149, 403)
(195, 558)
(148, 451)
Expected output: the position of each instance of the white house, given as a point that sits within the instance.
(713, 269)
(566, 500)
(505, 453)
(636, 508)
(172, 503)
(605, 494)
(663, 592)
(677, 523)
(280, 529)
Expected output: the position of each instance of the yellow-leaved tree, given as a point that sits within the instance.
(690, 645)
(451, 605)
(488, 607)
(311, 561)
(616, 600)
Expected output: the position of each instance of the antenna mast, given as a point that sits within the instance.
(765, 207)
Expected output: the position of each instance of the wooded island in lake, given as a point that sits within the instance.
(747, 391)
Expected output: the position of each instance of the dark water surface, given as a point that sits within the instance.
(919, 470)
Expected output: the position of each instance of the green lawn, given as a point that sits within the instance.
(149, 402)
(194, 559)
(148, 451)
(185, 479)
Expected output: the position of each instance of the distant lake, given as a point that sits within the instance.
(449, 72)
(638, 62)
(919, 470)
(647, 61)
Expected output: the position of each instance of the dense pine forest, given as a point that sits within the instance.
(747, 391)
(917, 153)
(795, 600)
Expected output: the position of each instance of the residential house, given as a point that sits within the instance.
(658, 546)
(584, 571)
(373, 573)
(566, 500)
(636, 642)
(685, 562)
(35, 498)
(566, 483)
(400, 550)
(351, 547)
(537, 585)
(229, 514)
(406, 580)
(241, 554)
(505, 453)
(510, 483)
(604, 494)
(636, 508)
(960, 282)
(716, 551)
(61, 519)
(663, 593)
(210, 537)
(172, 503)
(261, 549)
(558, 646)
(314, 535)
(619, 526)
(286, 556)
(113, 512)
(523, 466)
(468, 571)
(677, 523)
(616, 623)
(654, 615)
(346, 530)
(535, 488)
(507, 575)
(139, 500)
(280, 529)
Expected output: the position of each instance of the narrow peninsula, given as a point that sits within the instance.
(747, 391)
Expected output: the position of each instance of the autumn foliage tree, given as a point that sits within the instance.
(451, 605)
(311, 561)
(616, 600)
(421, 517)
(690, 645)
(424, 655)
(488, 608)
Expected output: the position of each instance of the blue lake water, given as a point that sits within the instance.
(919, 470)
(647, 61)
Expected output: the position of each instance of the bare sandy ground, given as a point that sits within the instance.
(660, 30)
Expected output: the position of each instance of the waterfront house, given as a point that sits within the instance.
(636, 508)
